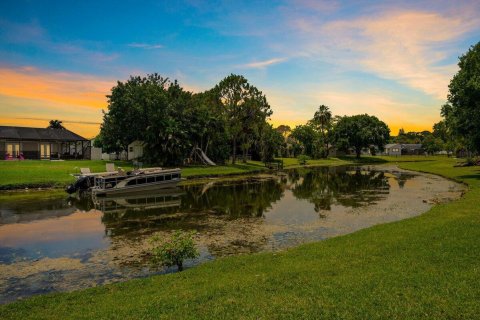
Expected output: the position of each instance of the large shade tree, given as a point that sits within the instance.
(463, 111)
(148, 109)
(359, 132)
(245, 109)
(308, 138)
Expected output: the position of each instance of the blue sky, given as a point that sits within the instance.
(58, 59)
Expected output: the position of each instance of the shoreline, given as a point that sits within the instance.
(248, 169)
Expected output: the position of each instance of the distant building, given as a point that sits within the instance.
(42, 143)
(135, 150)
(399, 149)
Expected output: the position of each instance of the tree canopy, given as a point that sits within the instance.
(245, 109)
(360, 131)
(462, 114)
(171, 121)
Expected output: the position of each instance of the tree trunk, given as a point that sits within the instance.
(234, 156)
(358, 151)
(180, 265)
(245, 155)
(206, 146)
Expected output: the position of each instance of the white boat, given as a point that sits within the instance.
(136, 181)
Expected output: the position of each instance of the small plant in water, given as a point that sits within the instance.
(174, 251)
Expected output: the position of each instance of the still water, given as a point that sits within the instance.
(56, 243)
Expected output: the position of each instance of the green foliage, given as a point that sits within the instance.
(411, 137)
(462, 115)
(175, 251)
(431, 144)
(55, 124)
(308, 138)
(271, 142)
(302, 159)
(360, 131)
(322, 121)
(171, 121)
(245, 109)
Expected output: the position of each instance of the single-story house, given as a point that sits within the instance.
(42, 143)
(398, 149)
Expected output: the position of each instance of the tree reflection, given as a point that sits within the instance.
(349, 187)
(185, 208)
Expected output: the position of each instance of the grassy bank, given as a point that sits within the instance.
(426, 267)
(36, 173)
(51, 174)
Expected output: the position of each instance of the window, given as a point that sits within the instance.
(130, 149)
(45, 150)
(13, 149)
(175, 176)
(168, 177)
(141, 180)
(150, 179)
(159, 178)
(132, 182)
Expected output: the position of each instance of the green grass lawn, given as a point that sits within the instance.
(37, 173)
(41, 173)
(426, 267)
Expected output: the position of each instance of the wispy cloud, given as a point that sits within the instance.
(263, 64)
(407, 46)
(145, 45)
(33, 34)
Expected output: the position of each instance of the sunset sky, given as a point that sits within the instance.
(392, 59)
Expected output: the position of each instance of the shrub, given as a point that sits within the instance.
(302, 159)
(173, 252)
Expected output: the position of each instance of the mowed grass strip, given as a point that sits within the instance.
(426, 267)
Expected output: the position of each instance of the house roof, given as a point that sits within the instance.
(26, 133)
(391, 145)
(410, 146)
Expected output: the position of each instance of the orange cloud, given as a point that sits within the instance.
(70, 89)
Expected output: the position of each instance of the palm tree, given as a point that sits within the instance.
(55, 124)
(322, 119)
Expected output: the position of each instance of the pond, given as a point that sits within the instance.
(59, 243)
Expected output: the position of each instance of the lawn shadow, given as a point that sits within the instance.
(476, 175)
(363, 160)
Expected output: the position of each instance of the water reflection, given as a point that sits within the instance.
(348, 187)
(57, 222)
(108, 237)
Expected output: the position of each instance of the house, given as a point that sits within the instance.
(135, 150)
(399, 149)
(42, 143)
(393, 149)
